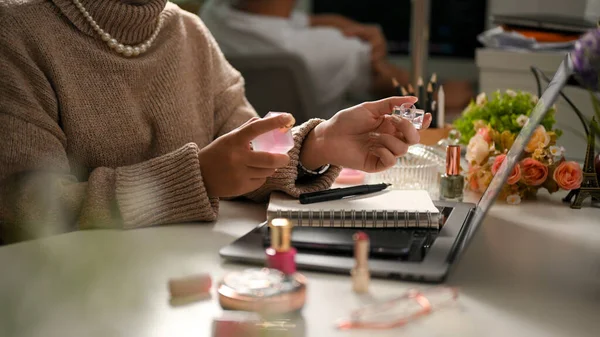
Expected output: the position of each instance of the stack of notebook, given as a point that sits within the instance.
(387, 209)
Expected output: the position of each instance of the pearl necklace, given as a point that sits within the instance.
(120, 48)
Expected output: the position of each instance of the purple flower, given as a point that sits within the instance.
(586, 59)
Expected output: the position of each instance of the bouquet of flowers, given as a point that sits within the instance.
(489, 128)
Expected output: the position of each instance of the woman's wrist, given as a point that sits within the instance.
(313, 154)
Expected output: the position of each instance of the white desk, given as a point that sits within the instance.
(114, 283)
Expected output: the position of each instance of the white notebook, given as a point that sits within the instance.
(392, 208)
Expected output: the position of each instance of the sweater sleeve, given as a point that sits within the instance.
(40, 197)
(41, 194)
(233, 109)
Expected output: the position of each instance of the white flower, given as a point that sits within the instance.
(511, 93)
(555, 151)
(522, 120)
(481, 99)
(513, 199)
(477, 150)
(534, 99)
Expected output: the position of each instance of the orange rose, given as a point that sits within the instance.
(515, 174)
(540, 138)
(534, 173)
(568, 175)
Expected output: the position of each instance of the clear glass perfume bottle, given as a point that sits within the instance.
(411, 113)
(452, 183)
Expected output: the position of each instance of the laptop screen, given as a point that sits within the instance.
(565, 70)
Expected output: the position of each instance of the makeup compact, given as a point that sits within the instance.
(276, 141)
(276, 289)
(411, 113)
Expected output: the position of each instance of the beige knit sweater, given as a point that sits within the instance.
(91, 139)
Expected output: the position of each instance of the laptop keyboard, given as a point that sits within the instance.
(385, 243)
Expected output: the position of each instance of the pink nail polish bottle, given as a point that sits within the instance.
(275, 141)
(281, 255)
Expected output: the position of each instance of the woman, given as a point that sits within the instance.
(125, 114)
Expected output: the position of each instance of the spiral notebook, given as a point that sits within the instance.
(386, 209)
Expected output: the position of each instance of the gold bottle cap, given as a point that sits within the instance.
(453, 160)
(281, 234)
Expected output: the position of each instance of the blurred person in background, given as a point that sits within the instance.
(345, 58)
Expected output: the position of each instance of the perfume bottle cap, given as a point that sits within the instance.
(453, 160)
(281, 234)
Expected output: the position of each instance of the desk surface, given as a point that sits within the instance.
(114, 283)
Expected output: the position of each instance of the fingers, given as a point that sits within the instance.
(386, 158)
(409, 133)
(267, 160)
(386, 106)
(258, 127)
(249, 121)
(426, 121)
(396, 146)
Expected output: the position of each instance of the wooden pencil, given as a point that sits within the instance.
(397, 86)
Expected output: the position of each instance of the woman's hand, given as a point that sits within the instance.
(231, 168)
(372, 35)
(364, 137)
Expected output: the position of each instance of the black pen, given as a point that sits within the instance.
(340, 193)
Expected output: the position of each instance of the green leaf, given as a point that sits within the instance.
(501, 113)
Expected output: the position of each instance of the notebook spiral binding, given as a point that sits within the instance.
(360, 219)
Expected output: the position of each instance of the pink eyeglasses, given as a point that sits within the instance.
(399, 311)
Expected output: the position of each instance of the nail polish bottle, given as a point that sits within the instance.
(275, 141)
(281, 255)
(276, 289)
(452, 182)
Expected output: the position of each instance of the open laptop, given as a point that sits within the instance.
(409, 254)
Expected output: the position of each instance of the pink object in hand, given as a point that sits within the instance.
(283, 261)
(190, 286)
(274, 141)
(350, 177)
